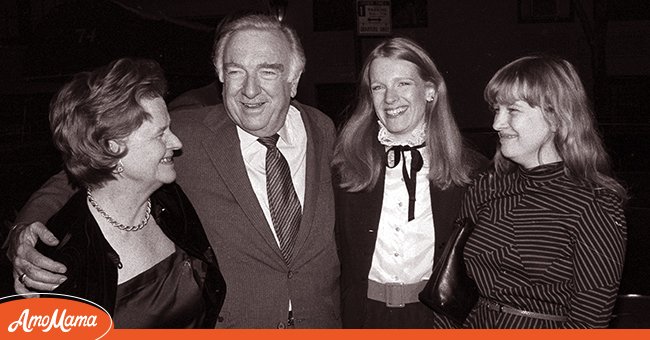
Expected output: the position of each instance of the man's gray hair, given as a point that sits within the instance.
(263, 23)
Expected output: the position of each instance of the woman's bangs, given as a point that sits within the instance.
(506, 90)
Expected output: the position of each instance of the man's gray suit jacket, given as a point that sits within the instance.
(260, 285)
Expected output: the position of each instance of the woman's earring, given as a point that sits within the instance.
(119, 168)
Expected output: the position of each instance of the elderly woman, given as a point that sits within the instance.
(130, 239)
(401, 170)
(549, 242)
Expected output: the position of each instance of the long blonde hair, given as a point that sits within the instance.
(358, 156)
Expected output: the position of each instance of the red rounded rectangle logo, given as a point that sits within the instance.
(53, 316)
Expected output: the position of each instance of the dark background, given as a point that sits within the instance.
(43, 42)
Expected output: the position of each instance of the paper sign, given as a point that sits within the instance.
(373, 17)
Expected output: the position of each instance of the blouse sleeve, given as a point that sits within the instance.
(599, 252)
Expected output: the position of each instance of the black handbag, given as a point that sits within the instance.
(450, 291)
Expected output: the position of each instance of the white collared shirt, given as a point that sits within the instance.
(404, 250)
(292, 144)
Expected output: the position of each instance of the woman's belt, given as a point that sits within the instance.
(503, 308)
(395, 294)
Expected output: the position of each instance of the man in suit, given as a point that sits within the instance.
(222, 170)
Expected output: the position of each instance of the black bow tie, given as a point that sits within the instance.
(393, 157)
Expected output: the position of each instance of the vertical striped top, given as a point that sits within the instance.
(546, 244)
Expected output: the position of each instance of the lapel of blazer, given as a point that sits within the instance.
(444, 213)
(370, 206)
(222, 146)
(313, 179)
(375, 197)
(375, 200)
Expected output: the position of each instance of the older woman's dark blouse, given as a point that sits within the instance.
(167, 295)
(546, 244)
(93, 266)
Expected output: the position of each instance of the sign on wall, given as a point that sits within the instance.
(373, 17)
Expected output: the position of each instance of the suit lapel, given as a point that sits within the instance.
(312, 178)
(375, 201)
(223, 149)
(365, 215)
(368, 204)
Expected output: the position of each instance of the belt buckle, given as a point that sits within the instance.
(495, 306)
(395, 294)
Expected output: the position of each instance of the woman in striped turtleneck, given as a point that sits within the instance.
(549, 243)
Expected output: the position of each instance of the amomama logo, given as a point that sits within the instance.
(52, 316)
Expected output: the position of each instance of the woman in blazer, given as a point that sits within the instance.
(400, 169)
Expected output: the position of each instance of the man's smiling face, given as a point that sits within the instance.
(257, 88)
